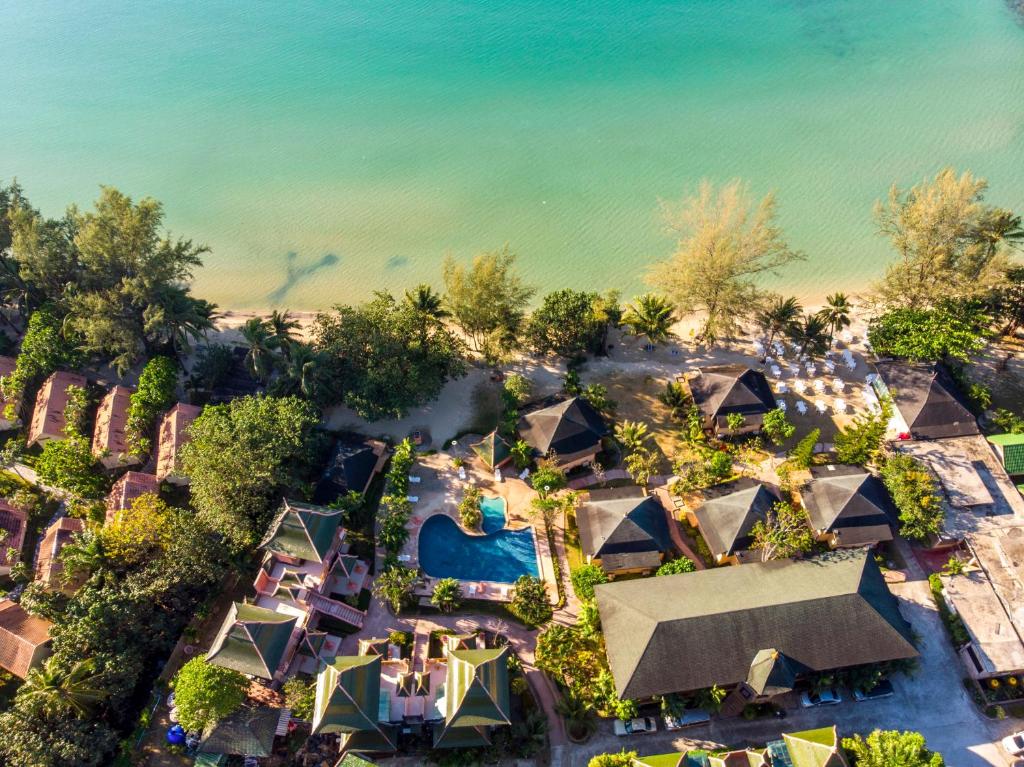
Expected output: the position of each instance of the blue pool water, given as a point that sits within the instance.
(500, 555)
(493, 510)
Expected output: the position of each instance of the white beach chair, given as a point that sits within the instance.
(801, 407)
(471, 589)
(820, 406)
(415, 480)
(830, 366)
(799, 386)
(839, 384)
(811, 369)
(497, 475)
(794, 369)
(839, 405)
(781, 387)
(819, 385)
(776, 371)
(462, 473)
(412, 498)
(404, 557)
(781, 404)
(524, 474)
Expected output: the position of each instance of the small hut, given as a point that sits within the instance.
(493, 450)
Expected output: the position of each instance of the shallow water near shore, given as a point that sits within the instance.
(324, 149)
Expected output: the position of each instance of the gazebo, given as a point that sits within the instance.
(493, 450)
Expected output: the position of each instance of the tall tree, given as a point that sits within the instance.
(891, 748)
(263, 342)
(778, 317)
(284, 327)
(784, 532)
(488, 297)
(650, 315)
(55, 689)
(949, 243)
(811, 335)
(724, 245)
(951, 330)
(564, 324)
(836, 313)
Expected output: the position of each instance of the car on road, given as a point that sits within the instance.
(690, 718)
(635, 726)
(883, 689)
(1014, 744)
(827, 697)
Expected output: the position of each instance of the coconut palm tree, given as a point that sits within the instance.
(283, 326)
(650, 315)
(425, 301)
(632, 434)
(81, 557)
(54, 689)
(263, 341)
(302, 373)
(577, 714)
(999, 226)
(836, 314)
(777, 318)
(176, 321)
(811, 333)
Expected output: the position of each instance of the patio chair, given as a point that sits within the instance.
(462, 473)
(776, 371)
(840, 405)
(794, 370)
(415, 480)
(781, 404)
(801, 407)
(412, 498)
(782, 388)
(839, 384)
(819, 386)
(799, 386)
(820, 406)
(497, 475)
(830, 366)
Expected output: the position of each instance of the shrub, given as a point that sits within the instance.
(204, 693)
(447, 595)
(677, 566)
(155, 394)
(622, 759)
(891, 748)
(861, 441)
(735, 421)
(518, 389)
(469, 508)
(530, 601)
(954, 623)
(913, 491)
(394, 586)
(548, 478)
(300, 696)
(776, 427)
(584, 579)
(802, 454)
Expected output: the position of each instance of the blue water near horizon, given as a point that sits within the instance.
(501, 555)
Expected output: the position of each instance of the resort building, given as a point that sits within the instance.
(128, 487)
(810, 748)
(8, 408)
(351, 468)
(623, 530)
(48, 565)
(254, 641)
(250, 731)
(48, 420)
(720, 391)
(757, 629)
(454, 701)
(109, 442)
(171, 437)
(848, 506)
(493, 451)
(13, 524)
(927, 404)
(24, 639)
(727, 517)
(571, 431)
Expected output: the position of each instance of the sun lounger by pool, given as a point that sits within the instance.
(801, 407)
(471, 589)
(412, 498)
(497, 475)
(820, 406)
(462, 472)
(404, 557)
(415, 480)
(781, 404)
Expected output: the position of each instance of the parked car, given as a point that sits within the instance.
(827, 697)
(1014, 744)
(690, 718)
(635, 726)
(883, 689)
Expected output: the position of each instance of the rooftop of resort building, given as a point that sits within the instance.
(493, 450)
(995, 646)
(13, 524)
(729, 512)
(566, 428)
(352, 466)
(810, 748)
(24, 638)
(348, 698)
(48, 415)
(248, 731)
(108, 436)
(849, 502)
(302, 531)
(926, 398)
(252, 640)
(720, 390)
(172, 437)
(824, 613)
(622, 521)
(130, 486)
(48, 565)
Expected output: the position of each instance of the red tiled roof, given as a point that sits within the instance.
(111, 418)
(48, 415)
(127, 489)
(48, 565)
(14, 521)
(21, 637)
(173, 434)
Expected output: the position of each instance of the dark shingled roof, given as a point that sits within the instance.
(686, 632)
(850, 502)
(249, 731)
(723, 389)
(619, 522)
(927, 398)
(350, 467)
(729, 513)
(772, 673)
(569, 427)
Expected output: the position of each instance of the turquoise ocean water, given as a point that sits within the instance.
(323, 149)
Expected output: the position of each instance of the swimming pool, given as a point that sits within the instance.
(500, 555)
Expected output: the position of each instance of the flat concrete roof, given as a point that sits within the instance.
(997, 645)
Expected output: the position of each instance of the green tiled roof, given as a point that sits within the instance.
(204, 759)
(1012, 447)
(247, 732)
(492, 450)
(660, 760)
(477, 688)
(348, 695)
(302, 530)
(252, 640)
(814, 748)
(460, 737)
(351, 760)
(381, 740)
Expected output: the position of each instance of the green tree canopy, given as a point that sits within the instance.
(914, 492)
(891, 748)
(566, 324)
(784, 532)
(949, 330)
(394, 586)
(204, 693)
(385, 356)
(487, 297)
(530, 601)
(677, 566)
(584, 578)
(243, 456)
(158, 383)
(44, 349)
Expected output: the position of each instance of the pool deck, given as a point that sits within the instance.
(440, 490)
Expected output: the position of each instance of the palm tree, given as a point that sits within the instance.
(54, 689)
(836, 314)
(632, 434)
(283, 326)
(81, 557)
(423, 300)
(263, 342)
(177, 320)
(778, 317)
(650, 315)
(302, 373)
(998, 226)
(811, 333)
(577, 714)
